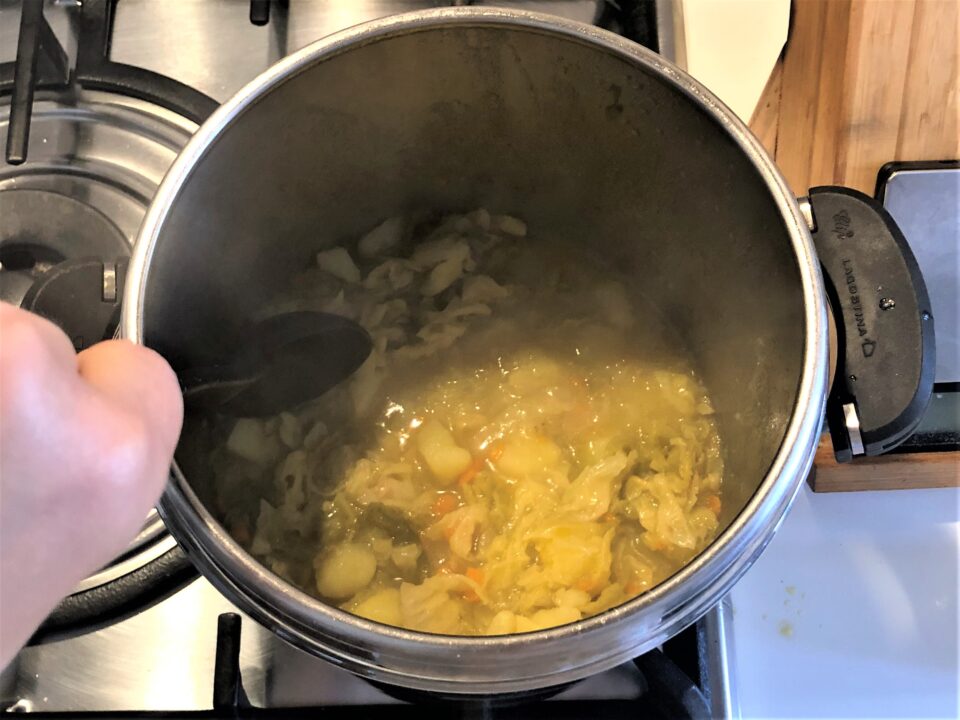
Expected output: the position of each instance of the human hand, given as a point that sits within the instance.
(86, 442)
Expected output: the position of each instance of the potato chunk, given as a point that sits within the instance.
(345, 571)
(383, 607)
(543, 619)
(249, 440)
(337, 262)
(443, 456)
(503, 623)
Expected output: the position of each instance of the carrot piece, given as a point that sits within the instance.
(493, 454)
(654, 542)
(444, 504)
(476, 574)
(713, 504)
(471, 472)
(585, 584)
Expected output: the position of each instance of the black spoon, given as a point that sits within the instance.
(284, 361)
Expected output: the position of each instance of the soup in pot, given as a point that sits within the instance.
(527, 445)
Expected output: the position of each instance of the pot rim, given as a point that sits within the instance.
(667, 608)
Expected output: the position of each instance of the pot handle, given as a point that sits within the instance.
(885, 341)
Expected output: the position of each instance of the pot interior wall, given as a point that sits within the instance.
(585, 146)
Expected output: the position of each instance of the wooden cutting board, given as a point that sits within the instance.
(861, 83)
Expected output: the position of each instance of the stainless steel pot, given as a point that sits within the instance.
(591, 139)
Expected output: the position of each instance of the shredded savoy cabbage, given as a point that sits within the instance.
(527, 444)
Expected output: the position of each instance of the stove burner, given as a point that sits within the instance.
(82, 297)
(40, 229)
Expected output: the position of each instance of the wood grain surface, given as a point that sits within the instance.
(887, 472)
(862, 83)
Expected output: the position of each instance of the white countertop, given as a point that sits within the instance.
(852, 610)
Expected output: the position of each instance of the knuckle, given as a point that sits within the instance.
(159, 371)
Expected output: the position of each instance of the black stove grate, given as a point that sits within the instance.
(42, 64)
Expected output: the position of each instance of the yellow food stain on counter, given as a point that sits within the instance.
(785, 629)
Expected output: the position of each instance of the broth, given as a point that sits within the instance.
(527, 444)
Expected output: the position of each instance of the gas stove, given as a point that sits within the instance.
(89, 128)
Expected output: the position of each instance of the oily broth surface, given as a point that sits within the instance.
(528, 444)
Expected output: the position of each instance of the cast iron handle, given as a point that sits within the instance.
(40, 58)
(885, 353)
(100, 606)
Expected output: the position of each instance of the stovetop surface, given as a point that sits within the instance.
(164, 658)
(211, 45)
